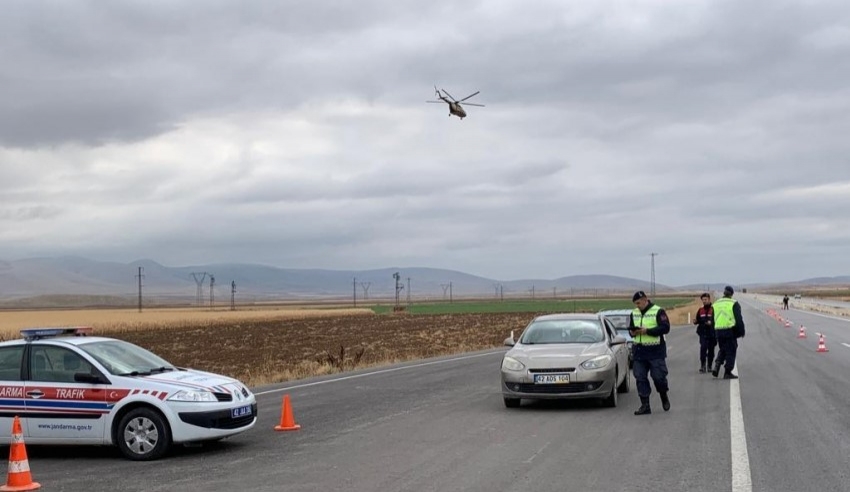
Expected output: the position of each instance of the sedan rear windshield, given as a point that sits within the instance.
(563, 331)
(125, 359)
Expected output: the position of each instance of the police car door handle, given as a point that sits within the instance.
(35, 393)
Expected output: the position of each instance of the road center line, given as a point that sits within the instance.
(846, 344)
(373, 373)
(741, 479)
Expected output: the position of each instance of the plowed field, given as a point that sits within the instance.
(266, 351)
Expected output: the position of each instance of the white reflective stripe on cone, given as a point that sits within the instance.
(17, 438)
(19, 466)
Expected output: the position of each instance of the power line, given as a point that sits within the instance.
(200, 282)
(365, 286)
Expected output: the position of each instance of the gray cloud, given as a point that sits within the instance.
(296, 134)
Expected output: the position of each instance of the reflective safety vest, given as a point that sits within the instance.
(724, 317)
(646, 320)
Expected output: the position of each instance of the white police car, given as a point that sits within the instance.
(80, 389)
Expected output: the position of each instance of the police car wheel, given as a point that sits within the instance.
(143, 435)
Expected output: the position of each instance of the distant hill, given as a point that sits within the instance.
(74, 276)
(54, 281)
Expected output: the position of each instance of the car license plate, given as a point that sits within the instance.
(551, 378)
(240, 412)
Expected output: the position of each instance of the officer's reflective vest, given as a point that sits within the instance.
(646, 320)
(724, 317)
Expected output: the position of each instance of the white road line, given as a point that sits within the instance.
(373, 373)
(824, 315)
(529, 460)
(846, 344)
(742, 481)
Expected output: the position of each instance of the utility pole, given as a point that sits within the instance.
(497, 287)
(652, 276)
(408, 291)
(354, 288)
(212, 292)
(445, 289)
(501, 293)
(450, 292)
(233, 295)
(200, 282)
(140, 276)
(554, 293)
(398, 287)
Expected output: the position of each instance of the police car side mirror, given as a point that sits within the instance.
(510, 342)
(84, 377)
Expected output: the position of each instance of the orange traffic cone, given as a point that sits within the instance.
(787, 324)
(287, 419)
(802, 333)
(19, 476)
(822, 344)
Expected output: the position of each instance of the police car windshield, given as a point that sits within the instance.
(125, 359)
(563, 331)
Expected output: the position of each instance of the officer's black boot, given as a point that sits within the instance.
(716, 371)
(665, 401)
(702, 367)
(644, 406)
(728, 375)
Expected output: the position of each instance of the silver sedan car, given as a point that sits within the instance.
(563, 356)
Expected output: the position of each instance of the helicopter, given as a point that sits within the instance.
(455, 107)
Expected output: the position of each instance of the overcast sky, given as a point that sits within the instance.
(296, 134)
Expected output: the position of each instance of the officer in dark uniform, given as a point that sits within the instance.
(647, 325)
(705, 329)
(729, 327)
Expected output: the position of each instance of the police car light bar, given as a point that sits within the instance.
(36, 333)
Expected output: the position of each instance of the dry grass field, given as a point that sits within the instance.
(268, 346)
(11, 322)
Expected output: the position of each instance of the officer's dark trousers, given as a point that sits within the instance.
(657, 368)
(706, 349)
(727, 350)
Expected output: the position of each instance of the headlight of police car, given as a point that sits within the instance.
(597, 362)
(512, 364)
(192, 395)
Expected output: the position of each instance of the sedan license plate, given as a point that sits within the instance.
(240, 412)
(551, 378)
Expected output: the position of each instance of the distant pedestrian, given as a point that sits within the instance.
(705, 329)
(647, 325)
(729, 327)
(785, 302)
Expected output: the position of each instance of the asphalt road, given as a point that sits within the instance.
(441, 426)
(804, 303)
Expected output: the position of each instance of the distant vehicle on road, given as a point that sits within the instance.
(566, 356)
